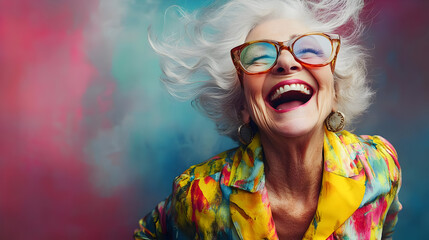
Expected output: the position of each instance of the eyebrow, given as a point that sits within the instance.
(294, 36)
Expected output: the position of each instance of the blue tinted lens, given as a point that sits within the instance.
(313, 49)
(258, 57)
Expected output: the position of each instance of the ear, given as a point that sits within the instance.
(245, 115)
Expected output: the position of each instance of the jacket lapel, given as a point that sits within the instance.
(339, 198)
(248, 200)
(251, 215)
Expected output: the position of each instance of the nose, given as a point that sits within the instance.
(286, 63)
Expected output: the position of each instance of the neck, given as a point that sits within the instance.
(294, 165)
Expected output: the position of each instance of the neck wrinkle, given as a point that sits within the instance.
(294, 166)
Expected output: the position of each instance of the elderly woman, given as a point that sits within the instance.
(277, 76)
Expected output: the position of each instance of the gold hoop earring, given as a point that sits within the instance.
(245, 133)
(335, 121)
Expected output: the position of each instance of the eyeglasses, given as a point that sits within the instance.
(311, 49)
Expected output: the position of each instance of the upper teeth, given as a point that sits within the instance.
(291, 87)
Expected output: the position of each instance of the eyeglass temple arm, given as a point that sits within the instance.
(337, 44)
(234, 57)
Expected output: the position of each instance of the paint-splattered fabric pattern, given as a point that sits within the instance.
(225, 197)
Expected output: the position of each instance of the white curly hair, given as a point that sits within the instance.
(196, 61)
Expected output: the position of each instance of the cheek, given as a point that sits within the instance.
(324, 77)
(253, 92)
(325, 81)
(253, 86)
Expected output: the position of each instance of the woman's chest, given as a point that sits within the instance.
(292, 222)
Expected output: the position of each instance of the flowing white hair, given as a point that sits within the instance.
(196, 60)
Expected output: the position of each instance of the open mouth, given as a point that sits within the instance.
(286, 96)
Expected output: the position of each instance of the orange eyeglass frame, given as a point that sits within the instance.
(288, 45)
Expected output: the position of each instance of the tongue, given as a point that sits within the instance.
(289, 105)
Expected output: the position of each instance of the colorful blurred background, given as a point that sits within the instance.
(90, 141)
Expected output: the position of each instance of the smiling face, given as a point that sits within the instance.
(290, 100)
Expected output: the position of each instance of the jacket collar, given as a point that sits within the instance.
(343, 187)
(247, 169)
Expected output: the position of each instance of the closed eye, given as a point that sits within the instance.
(260, 59)
(305, 51)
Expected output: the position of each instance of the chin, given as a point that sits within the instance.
(296, 130)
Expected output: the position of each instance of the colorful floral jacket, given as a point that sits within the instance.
(225, 197)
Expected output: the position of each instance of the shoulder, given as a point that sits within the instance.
(201, 183)
(197, 194)
(374, 152)
(209, 168)
(381, 155)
